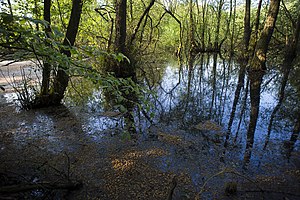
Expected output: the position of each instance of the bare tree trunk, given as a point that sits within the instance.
(122, 69)
(62, 78)
(217, 33)
(289, 56)
(256, 72)
(204, 9)
(233, 28)
(120, 40)
(257, 20)
(46, 65)
(191, 29)
(247, 28)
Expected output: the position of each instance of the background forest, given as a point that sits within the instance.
(217, 66)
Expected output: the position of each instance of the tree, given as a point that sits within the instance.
(46, 66)
(257, 70)
(61, 79)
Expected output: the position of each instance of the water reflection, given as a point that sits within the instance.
(188, 94)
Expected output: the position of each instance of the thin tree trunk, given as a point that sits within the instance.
(256, 72)
(203, 24)
(233, 29)
(62, 78)
(257, 20)
(46, 65)
(217, 33)
(247, 28)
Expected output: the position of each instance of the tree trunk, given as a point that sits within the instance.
(257, 19)
(46, 65)
(191, 31)
(120, 40)
(204, 11)
(217, 33)
(62, 78)
(233, 28)
(247, 28)
(256, 72)
(121, 69)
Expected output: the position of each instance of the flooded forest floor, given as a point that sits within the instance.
(49, 146)
(50, 154)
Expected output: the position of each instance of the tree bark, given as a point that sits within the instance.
(120, 40)
(46, 65)
(62, 78)
(217, 33)
(247, 28)
(256, 72)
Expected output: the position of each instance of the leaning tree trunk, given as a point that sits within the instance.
(61, 79)
(256, 72)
